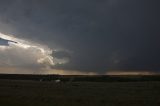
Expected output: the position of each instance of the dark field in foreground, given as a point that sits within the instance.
(35, 93)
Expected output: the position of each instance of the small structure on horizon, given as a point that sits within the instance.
(57, 81)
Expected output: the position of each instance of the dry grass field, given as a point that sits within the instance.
(35, 93)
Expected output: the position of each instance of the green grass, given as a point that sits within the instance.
(32, 93)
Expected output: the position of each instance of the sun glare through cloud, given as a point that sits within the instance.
(23, 53)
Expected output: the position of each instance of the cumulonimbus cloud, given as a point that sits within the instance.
(22, 56)
(26, 54)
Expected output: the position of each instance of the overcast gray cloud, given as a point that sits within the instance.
(91, 35)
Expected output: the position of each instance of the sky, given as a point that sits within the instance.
(80, 36)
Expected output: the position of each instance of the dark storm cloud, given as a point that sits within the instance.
(61, 54)
(101, 34)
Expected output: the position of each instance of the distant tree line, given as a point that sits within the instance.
(81, 78)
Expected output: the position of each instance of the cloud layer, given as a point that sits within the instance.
(24, 54)
(90, 35)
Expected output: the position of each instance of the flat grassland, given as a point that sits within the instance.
(36, 93)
